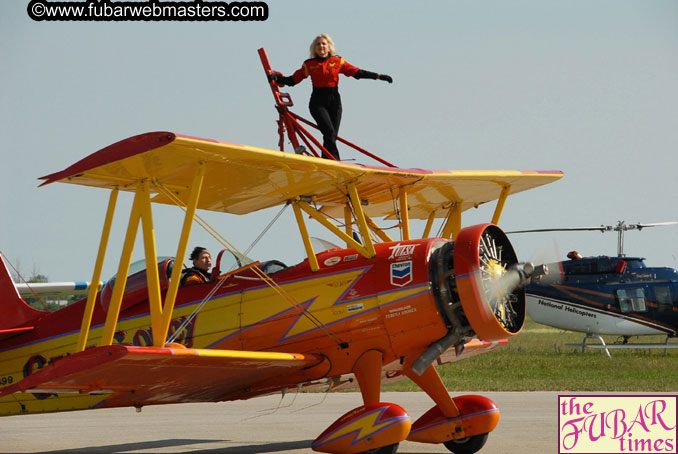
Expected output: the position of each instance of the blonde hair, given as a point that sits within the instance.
(330, 44)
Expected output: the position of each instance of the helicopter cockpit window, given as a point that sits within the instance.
(663, 297)
(635, 264)
(585, 267)
(631, 300)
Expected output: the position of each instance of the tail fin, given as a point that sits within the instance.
(15, 312)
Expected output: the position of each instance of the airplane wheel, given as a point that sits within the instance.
(467, 445)
(390, 449)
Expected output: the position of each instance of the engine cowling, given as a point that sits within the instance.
(477, 283)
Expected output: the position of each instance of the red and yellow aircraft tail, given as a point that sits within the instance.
(17, 316)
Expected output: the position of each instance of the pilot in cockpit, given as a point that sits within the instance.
(574, 255)
(199, 273)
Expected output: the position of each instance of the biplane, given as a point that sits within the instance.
(376, 310)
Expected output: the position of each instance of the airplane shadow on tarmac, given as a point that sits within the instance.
(131, 448)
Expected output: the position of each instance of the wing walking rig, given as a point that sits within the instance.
(378, 309)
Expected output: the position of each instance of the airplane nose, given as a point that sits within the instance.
(478, 283)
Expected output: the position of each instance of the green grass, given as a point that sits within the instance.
(537, 359)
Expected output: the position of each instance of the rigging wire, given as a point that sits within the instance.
(440, 229)
(265, 277)
(194, 314)
(265, 231)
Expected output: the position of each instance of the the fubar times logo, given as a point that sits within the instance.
(617, 424)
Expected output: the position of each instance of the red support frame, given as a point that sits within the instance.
(288, 122)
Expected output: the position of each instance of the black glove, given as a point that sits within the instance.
(279, 79)
(386, 77)
(273, 77)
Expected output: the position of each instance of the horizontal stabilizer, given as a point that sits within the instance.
(11, 332)
(54, 288)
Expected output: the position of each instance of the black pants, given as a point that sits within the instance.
(325, 107)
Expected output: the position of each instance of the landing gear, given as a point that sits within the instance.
(390, 449)
(373, 428)
(467, 445)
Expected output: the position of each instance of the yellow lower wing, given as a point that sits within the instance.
(144, 375)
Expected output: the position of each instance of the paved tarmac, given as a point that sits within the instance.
(527, 426)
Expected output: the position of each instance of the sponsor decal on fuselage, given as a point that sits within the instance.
(562, 307)
(402, 251)
(332, 261)
(401, 273)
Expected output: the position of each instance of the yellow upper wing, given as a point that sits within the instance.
(241, 179)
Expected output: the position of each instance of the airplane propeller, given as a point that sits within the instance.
(477, 287)
(517, 276)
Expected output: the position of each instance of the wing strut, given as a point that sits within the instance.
(312, 259)
(123, 270)
(378, 230)
(350, 242)
(405, 218)
(429, 224)
(181, 252)
(96, 276)
(364, 225)
(500, 203)
(141, 213)
(361, 220)
(453, 223)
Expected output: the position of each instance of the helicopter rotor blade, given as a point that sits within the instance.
(640, 226)
(563, 229)
(621, 225)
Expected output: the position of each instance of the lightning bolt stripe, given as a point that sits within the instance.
(308, 303)
(122, 320)
(365, 426)
(303, 279)
(357, 279)
(272, 317)
(458, 418)
(287, 337)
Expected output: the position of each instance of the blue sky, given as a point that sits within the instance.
(589, 88)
